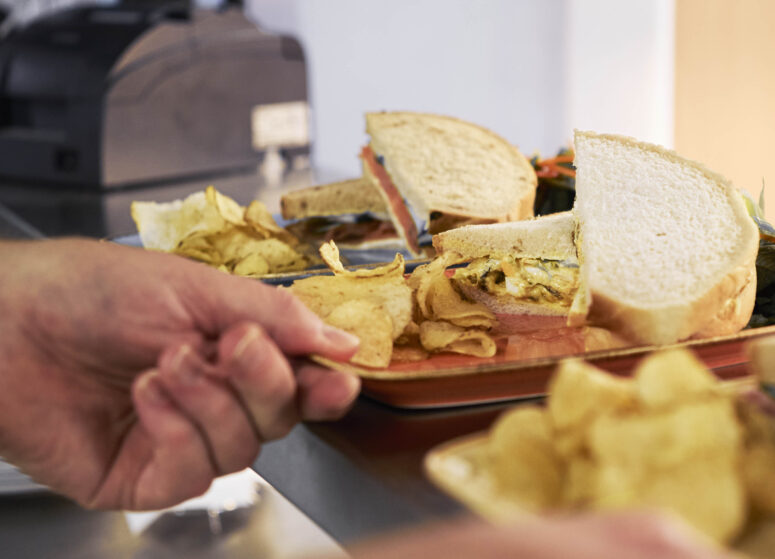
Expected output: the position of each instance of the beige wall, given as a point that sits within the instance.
(725, 90)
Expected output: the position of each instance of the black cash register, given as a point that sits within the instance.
(96, 98)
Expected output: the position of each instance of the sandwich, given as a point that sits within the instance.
(351, 213)
(436, 173)
(657, 249)
(522, 267)
(432, 173)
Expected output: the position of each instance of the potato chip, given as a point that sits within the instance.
(227, 208)
(389, 293)
(409, 352)
(214, 229)
(198, 246)
(524, 462)
(581, 480)
(579, 393)
(669, 439)
(163, 226)
(259, 219)
(443, 336)
(445, 303)
(421, 280)
(663, 439)
(330, 254)
(708, 494)
(253, 265)
(280, 256)
(672, 376)
(373, 327)
(616, 486)
(233, 244)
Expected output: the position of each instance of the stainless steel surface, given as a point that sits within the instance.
(44, 525)
(14, 227)
(57, 211)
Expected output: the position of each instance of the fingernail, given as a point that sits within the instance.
(250, 335)
(152, 391)
(340, 338)
(183, 366)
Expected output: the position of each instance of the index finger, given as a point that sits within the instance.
(292, 326)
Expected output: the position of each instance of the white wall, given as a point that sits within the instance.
(529, 70)
(619, 62)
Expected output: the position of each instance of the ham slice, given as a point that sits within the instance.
(399, 212)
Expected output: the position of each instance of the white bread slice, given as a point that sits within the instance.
(666, 248)
(442, 164)
(549, 237)
(353, 196)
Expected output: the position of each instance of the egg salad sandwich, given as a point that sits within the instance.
(657, 249)
(522, 267)
(432, 173)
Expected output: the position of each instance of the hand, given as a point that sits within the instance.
(626, 535)
(130, 379)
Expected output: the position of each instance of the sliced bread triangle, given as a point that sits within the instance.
(666, 248)
(443, 164)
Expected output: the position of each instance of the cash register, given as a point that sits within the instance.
(101, 97)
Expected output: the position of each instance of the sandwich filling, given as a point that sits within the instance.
(533, 280)
(402, 218)
(361, 230)
(409, 226)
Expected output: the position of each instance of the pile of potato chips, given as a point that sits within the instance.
(396, 318)
(670, 438)
(445, 320)
(214, 229)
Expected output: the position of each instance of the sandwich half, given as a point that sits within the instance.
(657, 249)
(666, 248)
(351, 213)
(521, 267)
(437, 172)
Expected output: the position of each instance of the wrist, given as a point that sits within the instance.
(16, 359)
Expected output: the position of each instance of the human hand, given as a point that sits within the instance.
(623, 535)
(130, 379)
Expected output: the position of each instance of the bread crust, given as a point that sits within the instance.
(722, 310)
(352, 196)
(550, 236)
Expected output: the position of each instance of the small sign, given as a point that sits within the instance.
(280, 124)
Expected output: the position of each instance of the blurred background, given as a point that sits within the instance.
(693, 75)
